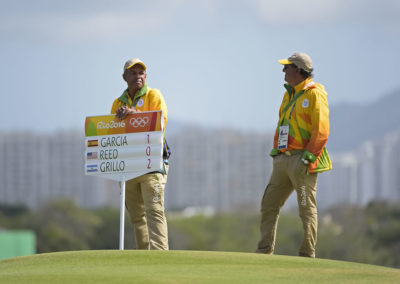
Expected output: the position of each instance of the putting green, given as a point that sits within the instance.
(132, 266)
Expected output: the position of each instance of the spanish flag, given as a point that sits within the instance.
(93, 143)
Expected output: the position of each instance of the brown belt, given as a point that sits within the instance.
(291, 152)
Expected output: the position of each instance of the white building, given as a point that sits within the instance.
(223, 168)
(339, 185)
(379, 169)
(219, 169)
(36, 168)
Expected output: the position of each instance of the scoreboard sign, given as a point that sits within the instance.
(124, 149)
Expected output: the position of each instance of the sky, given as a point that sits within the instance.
(215, 61)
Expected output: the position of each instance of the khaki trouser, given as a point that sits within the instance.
(289, 173)
(145, 204)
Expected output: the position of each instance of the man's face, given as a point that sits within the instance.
(135, 77)
(291, 74)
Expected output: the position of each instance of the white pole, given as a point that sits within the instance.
(122, 216)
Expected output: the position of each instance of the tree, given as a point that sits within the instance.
(61, 225)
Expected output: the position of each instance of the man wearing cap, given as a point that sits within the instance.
(144, 194)
(299, 153)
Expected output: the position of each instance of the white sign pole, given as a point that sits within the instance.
(122, 217)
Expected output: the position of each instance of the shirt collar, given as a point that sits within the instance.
(304, 85)
(128, 100)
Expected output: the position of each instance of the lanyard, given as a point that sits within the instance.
(134, 102)
(292, 102)
(137, 96)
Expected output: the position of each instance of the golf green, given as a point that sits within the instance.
(134, 266)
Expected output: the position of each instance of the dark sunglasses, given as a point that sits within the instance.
(289, 65)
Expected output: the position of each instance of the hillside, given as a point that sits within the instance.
(352, 124)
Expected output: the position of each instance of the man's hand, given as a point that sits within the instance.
(123, 111)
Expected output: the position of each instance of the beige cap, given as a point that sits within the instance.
(300, 59)
(131, 62)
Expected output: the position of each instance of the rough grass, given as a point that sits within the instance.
(132, 266)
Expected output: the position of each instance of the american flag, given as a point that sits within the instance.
(91, 155)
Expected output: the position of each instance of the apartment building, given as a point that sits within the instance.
(36, 168)
(221, 169)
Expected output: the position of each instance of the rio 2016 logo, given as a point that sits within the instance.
(111, 124)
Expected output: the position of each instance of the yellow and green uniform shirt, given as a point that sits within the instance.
(308, 120)
(145, 99)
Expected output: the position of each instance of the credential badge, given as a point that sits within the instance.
(305, 103)
(140, 103)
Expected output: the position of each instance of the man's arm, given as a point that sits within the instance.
(320, 124)
(157, 102)
(120, 110)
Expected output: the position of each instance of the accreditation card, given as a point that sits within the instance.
(283, 137)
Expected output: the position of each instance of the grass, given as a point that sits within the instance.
(133, 266)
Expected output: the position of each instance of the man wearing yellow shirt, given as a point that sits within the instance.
(299, 153)
(144, 194)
